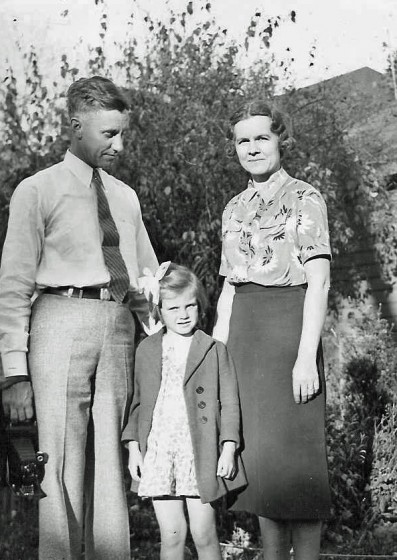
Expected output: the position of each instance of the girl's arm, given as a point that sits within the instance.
(229, 433)
(229, 429)
(131, 430)
(130, 434)
(135, 460)
(305, 380)
(223, 312)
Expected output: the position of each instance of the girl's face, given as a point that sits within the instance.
(179, 312)
(257, 147)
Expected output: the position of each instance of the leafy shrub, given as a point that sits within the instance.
(383, 482)
(360, 419)
(183, 82)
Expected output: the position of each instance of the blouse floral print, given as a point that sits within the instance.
(269, 233)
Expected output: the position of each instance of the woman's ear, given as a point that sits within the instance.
(230, 149)
(286, 145)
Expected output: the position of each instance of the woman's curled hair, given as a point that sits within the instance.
(280, 124)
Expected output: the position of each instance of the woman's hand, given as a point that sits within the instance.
(305, 380)
(227, 460)
(135, 461)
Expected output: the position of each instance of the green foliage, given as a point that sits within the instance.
(360, 420)
(359, 207)
(183, 82)
(182, 90)
(18, 527)
(383, 484)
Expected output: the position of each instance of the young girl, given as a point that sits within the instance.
(183, 427)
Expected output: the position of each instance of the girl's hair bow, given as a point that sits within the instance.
(149, 284)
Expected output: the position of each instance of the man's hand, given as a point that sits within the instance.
(18, 401)
(135, 460)
(305, 380)
(227, 460)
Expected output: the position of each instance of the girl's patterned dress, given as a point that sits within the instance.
(168, 468)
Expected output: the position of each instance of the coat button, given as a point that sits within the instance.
(204, 419)
(200, 390)
(201, 404)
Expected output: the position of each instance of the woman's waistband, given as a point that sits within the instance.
(250, 287)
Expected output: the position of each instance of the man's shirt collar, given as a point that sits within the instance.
(79, 168)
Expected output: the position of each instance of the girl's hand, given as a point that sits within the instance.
(135, 461)
(227, 460)
(305, 380)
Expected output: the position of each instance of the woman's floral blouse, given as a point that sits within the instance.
(270, 232)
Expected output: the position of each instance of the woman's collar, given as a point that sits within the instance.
(276, 179)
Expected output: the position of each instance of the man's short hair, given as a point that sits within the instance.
(90, 94)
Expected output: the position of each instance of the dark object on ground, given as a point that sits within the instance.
(21, 463)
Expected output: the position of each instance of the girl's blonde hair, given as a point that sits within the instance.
(177, 279)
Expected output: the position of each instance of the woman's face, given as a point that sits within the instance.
(257, 147)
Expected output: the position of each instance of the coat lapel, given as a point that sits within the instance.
(201, 343)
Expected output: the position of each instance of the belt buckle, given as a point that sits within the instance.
(105, 294)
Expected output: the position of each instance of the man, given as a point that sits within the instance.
(75, 236)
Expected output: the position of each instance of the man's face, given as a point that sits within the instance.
(99, 136)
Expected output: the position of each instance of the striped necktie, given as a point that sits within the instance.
(119, 279)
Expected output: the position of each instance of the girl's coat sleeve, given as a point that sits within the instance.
(228, 397)
(131, 430)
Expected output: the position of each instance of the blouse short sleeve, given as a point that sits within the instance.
(312, 227)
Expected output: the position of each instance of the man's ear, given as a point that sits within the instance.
(76, 125)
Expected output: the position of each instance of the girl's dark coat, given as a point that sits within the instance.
(211, 396)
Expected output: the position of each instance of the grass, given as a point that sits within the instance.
(19, 530)
(19, 534)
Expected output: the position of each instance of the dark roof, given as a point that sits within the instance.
(362, 77)
(365, 102)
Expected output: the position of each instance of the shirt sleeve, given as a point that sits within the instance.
(146, 259)
(20, 258)
(146, 255)
(312, 227)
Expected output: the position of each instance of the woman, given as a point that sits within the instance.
(275, 260)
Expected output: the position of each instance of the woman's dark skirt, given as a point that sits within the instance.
(284, 449)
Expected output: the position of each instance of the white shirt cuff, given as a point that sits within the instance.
(14, 363)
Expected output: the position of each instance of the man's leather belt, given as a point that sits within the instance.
(72, 291)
